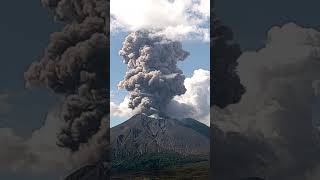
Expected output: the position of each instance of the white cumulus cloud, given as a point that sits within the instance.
(195, 103)
(121, 110)
(281, 80)
(177, 19)
(39, 153)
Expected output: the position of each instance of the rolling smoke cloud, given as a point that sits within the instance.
(37, 153)
(72, 66)
(225, 80)
(153, 78)
(40, 154)
(195, 102)
(280, 81)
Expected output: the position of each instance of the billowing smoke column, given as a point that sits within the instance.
(153, 78)
(75, 65)
(225, 80)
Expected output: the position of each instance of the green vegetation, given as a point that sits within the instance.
(153, 166)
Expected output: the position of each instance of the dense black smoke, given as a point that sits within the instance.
(225, 81)
(75, 65)
(152, 77)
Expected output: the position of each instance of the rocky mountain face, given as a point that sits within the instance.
(151, 134)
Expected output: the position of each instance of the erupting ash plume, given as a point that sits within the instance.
(152, 77)
(226, 82)
(75, 65)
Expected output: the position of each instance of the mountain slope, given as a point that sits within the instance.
(144, 134)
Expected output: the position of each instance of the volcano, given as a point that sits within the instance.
(156, 142)
(153, 134)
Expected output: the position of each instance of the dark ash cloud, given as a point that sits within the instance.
(152, 77)
(74, 65)
(225, 81)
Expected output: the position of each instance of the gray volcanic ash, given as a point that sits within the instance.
(152, 77)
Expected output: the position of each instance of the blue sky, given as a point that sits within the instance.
(199, 58)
